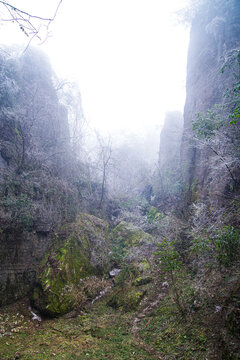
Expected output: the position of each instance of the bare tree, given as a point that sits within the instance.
(70, 97)
(130, 173)
(33, 124)
(104, 156)
(222, 148)
(29, 24)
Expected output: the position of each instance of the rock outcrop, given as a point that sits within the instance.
(132, 245)
(132, 251)
(79, 250)
(215, 34)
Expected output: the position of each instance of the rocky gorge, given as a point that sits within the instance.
(147, 277)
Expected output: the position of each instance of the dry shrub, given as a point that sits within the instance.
(88, 289)
(93, 286)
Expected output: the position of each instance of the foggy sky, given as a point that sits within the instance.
(127, 57)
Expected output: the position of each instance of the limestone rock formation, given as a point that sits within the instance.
(215, 35)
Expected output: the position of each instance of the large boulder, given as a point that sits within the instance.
(132, 250)
(79, 250)
(131, 244)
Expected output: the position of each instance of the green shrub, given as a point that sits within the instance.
(223, 245)
(21, 209)
(170, 262)
(118, 251)
(169, 257)
(201, 245)
(206, 125)
(153, 215)
(227, 243)
(128, 273)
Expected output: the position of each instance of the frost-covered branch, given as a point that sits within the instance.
(29, 24)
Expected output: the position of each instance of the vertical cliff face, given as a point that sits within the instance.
(35, 197)
(33, 123)
(215, 34)
(169, 179)
(170, 140)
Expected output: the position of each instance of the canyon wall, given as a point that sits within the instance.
(214, 39)
(37, 193)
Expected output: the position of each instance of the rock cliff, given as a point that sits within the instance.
(170, 140)
(169, 179)
(215, 35)
(39, 178)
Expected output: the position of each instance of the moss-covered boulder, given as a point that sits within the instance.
(79, 250)
(126, 300)
(131, 244)
(132, 250)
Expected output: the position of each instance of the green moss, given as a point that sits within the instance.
(69, 261)
(153, 214)
(101, 334)
(132, 235)
(127, 300)
(142, 280)
(125, 237)
(144, 266)
(169, 333)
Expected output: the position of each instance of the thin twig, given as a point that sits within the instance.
(9, 6)
(25, 20)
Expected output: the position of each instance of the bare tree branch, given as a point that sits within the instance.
(18, 11)
(29, 24)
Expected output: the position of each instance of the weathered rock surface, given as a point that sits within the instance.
(132, 251)
(42, 185)
(114, 272)
(20, 255)
(170, 141)
(215, 33)
(131, 244)
(79, 250)
(169, 174)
